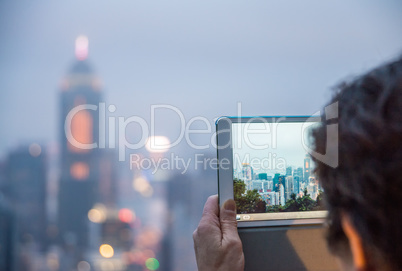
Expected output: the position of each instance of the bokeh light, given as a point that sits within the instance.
(126, 215)
(106, 251)
(107, 266)
(141, 185)
(79, 170)
(35, 150)
(158, 144)
(152, 264)
(83, 266)
(81, 47)
(52, 261)
(97, 214)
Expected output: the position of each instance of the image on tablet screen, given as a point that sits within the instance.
(273, 174)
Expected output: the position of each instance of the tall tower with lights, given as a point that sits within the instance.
(307, 168)
(80, 162)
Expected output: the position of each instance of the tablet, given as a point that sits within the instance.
(264, 164)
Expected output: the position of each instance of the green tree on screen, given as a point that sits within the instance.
(247, 202)
(250, 201)
(295, 204)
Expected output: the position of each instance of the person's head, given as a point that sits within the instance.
(364, 192)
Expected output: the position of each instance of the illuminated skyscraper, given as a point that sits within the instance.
(80, 165)
(307, 167)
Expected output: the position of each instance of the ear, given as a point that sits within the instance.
(355, 242)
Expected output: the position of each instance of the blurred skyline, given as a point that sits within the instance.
(276, 58)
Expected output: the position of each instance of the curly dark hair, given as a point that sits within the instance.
(367, 183)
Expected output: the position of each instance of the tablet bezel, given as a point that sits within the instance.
(225, 168)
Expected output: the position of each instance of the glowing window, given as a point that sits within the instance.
(79, 171)
(81, 130)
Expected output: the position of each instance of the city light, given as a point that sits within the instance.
(106, 251)
(81, 128)
(35, 150)
(126, 215)
(97, 214)
(152, 264)
(107, 266)
(79, 171)
(159, 144)
(141, 185)
(83, 266)
(81, 47)
(52, 261)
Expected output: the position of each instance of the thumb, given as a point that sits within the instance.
(228, 218)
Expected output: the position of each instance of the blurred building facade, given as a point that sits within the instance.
(88, 173)
(23, 208)
(80, 168)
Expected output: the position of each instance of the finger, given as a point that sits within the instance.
(228, 219)
(209, 226)
(210, 215)
(211, 207)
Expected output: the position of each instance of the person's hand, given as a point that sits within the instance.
(216, 241)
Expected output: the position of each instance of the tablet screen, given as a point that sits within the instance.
(273, 174)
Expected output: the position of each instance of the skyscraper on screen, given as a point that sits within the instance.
(307, 168)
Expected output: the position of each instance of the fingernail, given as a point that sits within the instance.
(229, 205)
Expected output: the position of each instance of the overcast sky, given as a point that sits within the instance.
(270, 147)
(275, 57)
